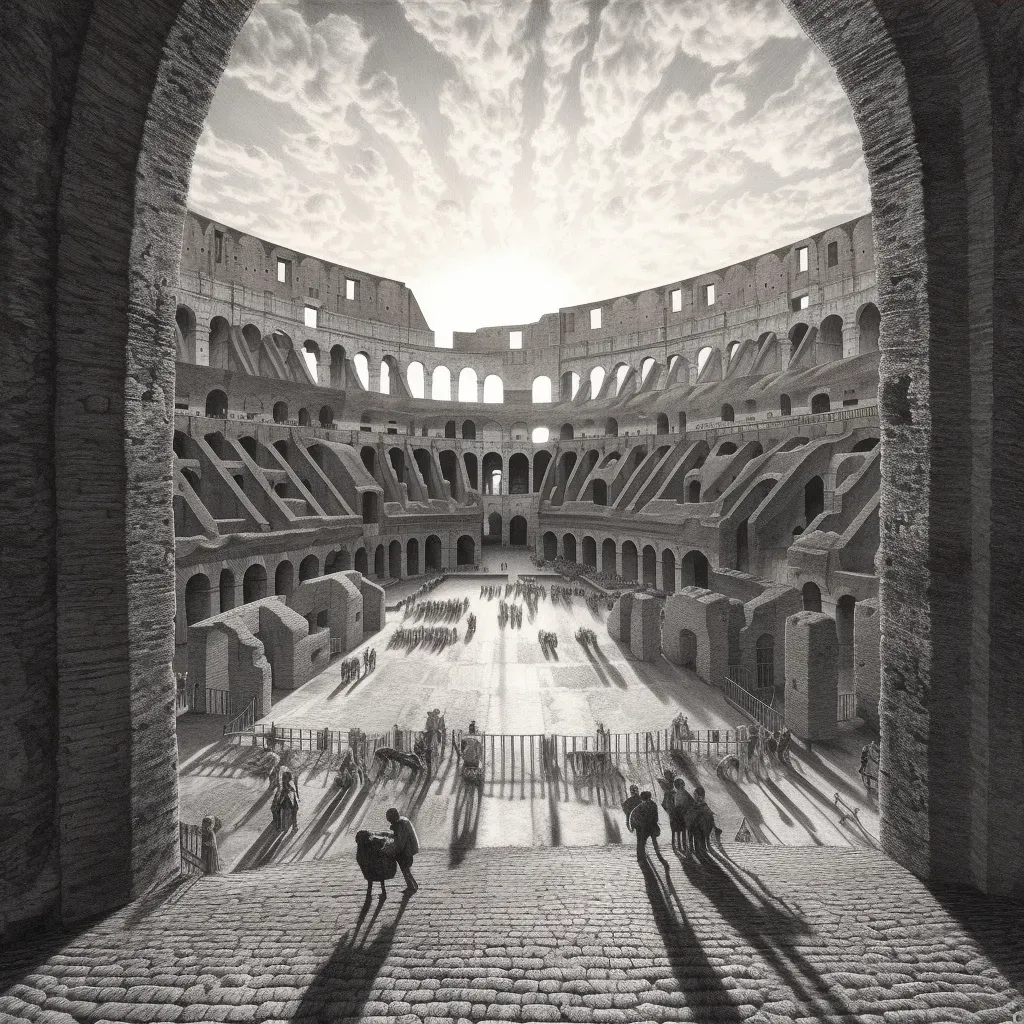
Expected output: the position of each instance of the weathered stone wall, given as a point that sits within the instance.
(341, 598)
(867, 669)
(295, 654)
(225, 654)
(374, 614)
(620, 619)
(645, 627)
(812, 675)
(715, 621)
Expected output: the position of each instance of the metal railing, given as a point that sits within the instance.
(245, 721)
(752, 706)
(847, 709)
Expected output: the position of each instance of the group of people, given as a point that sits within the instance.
(691, 821)
(566, 594)
(490, 590)
(471, 624)
(586, 636)
(434, 611)
(351, 669)
(503, 567)
(510, 614)
(380, 854)
(425, 588)
(437, 637)
(763, 744)
(548, 640)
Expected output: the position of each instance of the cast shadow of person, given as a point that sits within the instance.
(465, 822)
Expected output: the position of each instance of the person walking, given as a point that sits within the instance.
(643, 820)
(405, 846)
(629, 803)
(682, 802)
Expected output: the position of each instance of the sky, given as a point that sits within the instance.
(507, 157)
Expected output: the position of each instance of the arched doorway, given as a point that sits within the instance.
(465, 550)
(764, 655)
(227, 590)
(197, 598)
(284, 579)
(309, 568)
(569, 547)
(695, 570)
(590, 552)
(395, 559)
(550, 542)
(519, 474)
(378, 561)
(412, 557)
(649, 565)
(668, 571)
(361, 561)
(688, 649)
(811, 595)
(254, 584)
(628, 571)
(845, 612)
(494, 524)
(217, 404)
(517, 531)
(432, 554)
(814, 499)
(608, 562)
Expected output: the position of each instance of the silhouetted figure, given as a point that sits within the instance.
(405, 846)
(631, 801)
(644, 822)
(376, 864)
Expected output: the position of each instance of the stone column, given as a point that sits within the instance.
(812, 675)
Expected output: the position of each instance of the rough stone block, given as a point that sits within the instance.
(701, 631)
(645, 627)
(812, 675)
(867, 668)
(620, 619)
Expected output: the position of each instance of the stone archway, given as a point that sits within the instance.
(106, 156)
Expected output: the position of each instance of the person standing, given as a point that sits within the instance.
(629, 803)
(644, 822)
(405, 846)
(682, 803)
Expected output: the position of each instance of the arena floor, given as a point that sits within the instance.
(503, 681)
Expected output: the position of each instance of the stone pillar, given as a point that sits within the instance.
(645, 627)
(620, 619)
(867, 668)
(812, 675)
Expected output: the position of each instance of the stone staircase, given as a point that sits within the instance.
(583, 934)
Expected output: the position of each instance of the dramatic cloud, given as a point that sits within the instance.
(507, 158)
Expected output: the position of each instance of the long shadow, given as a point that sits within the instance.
(777, 796)
(262, 851)
(612, 830)
(343, 983)
(465, 821)
(615, 675)
(597, 667)
(826, 771)
(554, 818)
(707, 996)
(329, 806)
(749, 809)
(258, 806)
(776, 935)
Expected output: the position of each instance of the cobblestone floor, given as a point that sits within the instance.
(763, 935)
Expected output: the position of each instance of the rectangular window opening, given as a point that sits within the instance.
(351, 289)
(595, 319)
(801, 255)
(800, 302)
(677, 300)
(218, 240)
(515, 339)
(833, 254)
(709, 295)
(310, 316)
(283, 268)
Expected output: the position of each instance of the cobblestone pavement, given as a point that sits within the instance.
(770, 935)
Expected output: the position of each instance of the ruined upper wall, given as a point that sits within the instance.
(224, 254)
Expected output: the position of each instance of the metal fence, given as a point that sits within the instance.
(847, 707)
(244, 721)
(752, 706)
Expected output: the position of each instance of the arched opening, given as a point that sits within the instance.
(361, 364)
(622, 371)
(326, 416)
(468, 385)
(845, 609)
(611, 427)
(441, 385)
(280, 412)
(337, 367)
(517, 531)
(304, 419)
(764, 660)
(284, 579)
(185, 320)
(661, 423)
(220, 333)
(569, 385)
(540, 435)
(820, 403)
(693, 492)
(702, 358)
(566, 433)
(867, 445)
(645, 368)
(309, 568)
(378, 561)
(471, 467)
(743, 546)
(814, 499)
(217, 405)
(227, 590)
(628, 570)
(785, 405)
(541, 461)
(695, 570)
(668, 571)
(432, 553)
(468, 430)
(830, 339)
(541, 389)
(589, 552)
(361, 561)
(492, 471)
(649, 566)
(811, 595)
(796, 335)
(728, 415)
(395, 559)
(569, 547)
(414, 378)
(449, 463)
(869, 326)
(565, 467)
(465, 550)
(254, 584)
(311, 356)
(449, 428)
(600, 492)
(368, 454)
(688, 649)
(608, 564)
(494, 389)
(197, 598)
(518, 474)
(493, 535)
(384, 384)
(371, 507)
(550, 542)
(412, 557)
(596, 381)
(726, 448)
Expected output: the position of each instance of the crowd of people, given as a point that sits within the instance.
(510, 615)
(548, 640)
(489, 591)
(566, 594)
(434, 637)
(439, 611)
(586, 637)
(471, 624)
